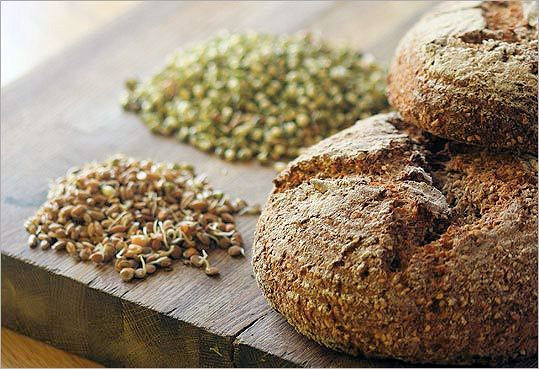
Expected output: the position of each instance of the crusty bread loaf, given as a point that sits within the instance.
(468, 71)
(398, 244)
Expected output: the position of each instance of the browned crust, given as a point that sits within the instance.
(469, 72)
(421, 250)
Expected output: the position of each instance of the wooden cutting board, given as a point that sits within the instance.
(66, 113)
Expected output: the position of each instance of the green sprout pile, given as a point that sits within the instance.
(245, 96)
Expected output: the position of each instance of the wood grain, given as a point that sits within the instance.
(66, 113)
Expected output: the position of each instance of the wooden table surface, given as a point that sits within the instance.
(22, 351)
(65, 112)
(31, 33)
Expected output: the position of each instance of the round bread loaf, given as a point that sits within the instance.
(468, 71)
(398, 244)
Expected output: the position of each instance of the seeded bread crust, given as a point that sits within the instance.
(468, 71)
(398, 244)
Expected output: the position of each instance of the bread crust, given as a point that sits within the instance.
(468, 71)
(396, 244)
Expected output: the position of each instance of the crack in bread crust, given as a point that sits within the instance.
(384, 264)
(505, 21)
(504, 16)
(355, 150)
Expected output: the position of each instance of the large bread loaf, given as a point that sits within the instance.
(397, 244)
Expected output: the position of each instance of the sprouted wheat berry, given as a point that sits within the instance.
(138, 215)
(244, 96)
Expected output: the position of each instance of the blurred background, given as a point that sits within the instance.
(32, 32)
(35, 30)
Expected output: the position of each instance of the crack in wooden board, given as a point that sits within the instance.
(272, 342)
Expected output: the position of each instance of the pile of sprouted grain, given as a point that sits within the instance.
(244, 96)
(140, 215)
